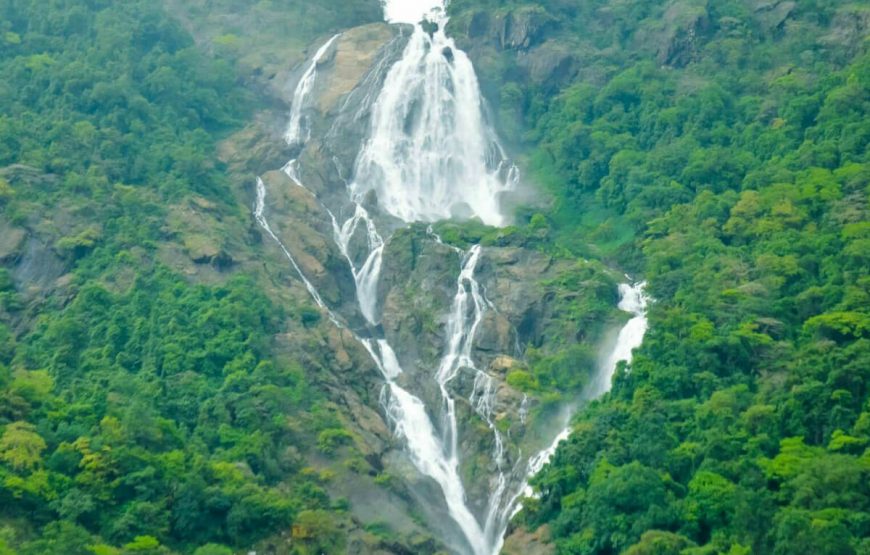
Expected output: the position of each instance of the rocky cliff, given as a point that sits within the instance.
(528, 291)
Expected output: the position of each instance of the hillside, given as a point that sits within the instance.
(195, 358)
(720, 149)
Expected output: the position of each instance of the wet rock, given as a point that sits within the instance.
(417, 289)
(430, 27)
(349, 123)
(522, 28)
(355, 52)
(304, 228)
(348, 78)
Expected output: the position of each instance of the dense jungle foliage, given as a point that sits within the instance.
(139, 412)
(719, 150)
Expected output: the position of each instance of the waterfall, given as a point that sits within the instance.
(259, 208)
(429, 156)
(410, 11)
(467, 310)
(295, 131)
(632, 299)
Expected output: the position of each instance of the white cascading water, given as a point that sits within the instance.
(430, 156)
(406, 412)
(632, 299)
(297, 131)
(366, 277)
(259, 208)
(466, 314)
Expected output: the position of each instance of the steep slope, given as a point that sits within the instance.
(431, 334)
(169, 382)
(720, 149)
(166, 384)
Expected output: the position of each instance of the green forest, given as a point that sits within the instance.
(139, 412)
(730, 168)
(718, 149)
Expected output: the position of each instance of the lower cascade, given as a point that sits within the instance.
(429, 156)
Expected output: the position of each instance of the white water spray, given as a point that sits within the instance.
(366, 277)
(410, 11)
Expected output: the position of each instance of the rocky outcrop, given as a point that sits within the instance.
(348, 79)
(771, 14)
(304, 228)
(850, 29)
(515, 29)
(686, 23)
(28, 248)
(552, 63)
(11, 241)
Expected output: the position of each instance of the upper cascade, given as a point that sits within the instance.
(297, 130)
(430, 155)
(410, 11)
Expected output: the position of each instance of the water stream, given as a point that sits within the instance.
(632, 299)
(298, 130)
(429, 155)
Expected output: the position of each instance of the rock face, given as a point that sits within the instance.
(308, 200)
(11, 241)
(850, 29)
(685, 24)
(552, 62)
(304, 228)
(28, 249)
(522, 31)
(516, 29)
(771, 14)
(348, 80)
(525, 298)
